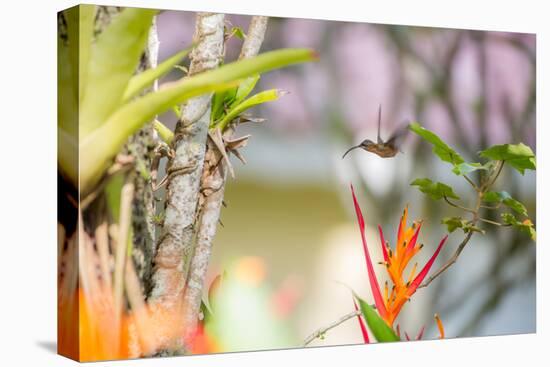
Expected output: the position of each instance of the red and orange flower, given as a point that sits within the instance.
(390, 303)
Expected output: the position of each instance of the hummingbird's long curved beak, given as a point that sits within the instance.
(350, 149)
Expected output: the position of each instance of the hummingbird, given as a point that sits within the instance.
(384, 149)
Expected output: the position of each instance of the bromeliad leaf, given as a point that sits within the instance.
(381, 331)
(100, 147)
(505, 198)
(519, 156)
(525, 226)
(232, 97)
(436, 190)
(440, 148)
(259, 98)
(114, 58)
(146, 78)
(244, 89)
(217, 106)
(85, 35)
(465, 168)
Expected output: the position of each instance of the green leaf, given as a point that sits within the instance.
(140, 81)
(67, 155)
(165, 133)
(113, 60)
(67, 74)
(436, 190)
(86, 32)
(238, 31)
(217, 105)
(525, 226)
(453, 223)
(505, 198)
(113, 191)
(259, 98)
(100, 147)
(465, 168)
(519, 156)
(440, 148)
(244, 89)
(381, 331)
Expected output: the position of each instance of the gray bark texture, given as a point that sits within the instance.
(141, 146)
(212, 190)
(184, 170)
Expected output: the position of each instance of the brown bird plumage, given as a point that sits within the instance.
(384, 149)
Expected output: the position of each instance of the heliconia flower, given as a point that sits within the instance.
(389, 305)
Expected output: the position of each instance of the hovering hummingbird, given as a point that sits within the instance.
(384, 149)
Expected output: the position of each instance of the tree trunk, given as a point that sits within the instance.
(184, 170)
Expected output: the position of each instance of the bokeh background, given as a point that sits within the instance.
(290, 212)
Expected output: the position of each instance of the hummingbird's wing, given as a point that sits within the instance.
(378, 138)
(397, 138)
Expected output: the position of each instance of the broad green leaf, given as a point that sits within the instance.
(165, 133)
(440, 148)
(505, 198)
(465, 168)
(67, 155)
(381, 331)
(99, 148)
(525, 226)
(72, 17)
(113, 60)
(518, 156)
(436, 190)
(67, 91)
(262, 97)
(140, 81)
(86, 33)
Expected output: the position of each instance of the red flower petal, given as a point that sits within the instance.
(383, 243)
(420, 277)
(420, 334)
(362, 325)
(372, 276)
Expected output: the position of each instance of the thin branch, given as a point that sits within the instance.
(322, 331)
(450, 262)
(457, 206)
(493, 222)
(474, 186)
(460, 248)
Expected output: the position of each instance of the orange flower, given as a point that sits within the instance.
(389, 305)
